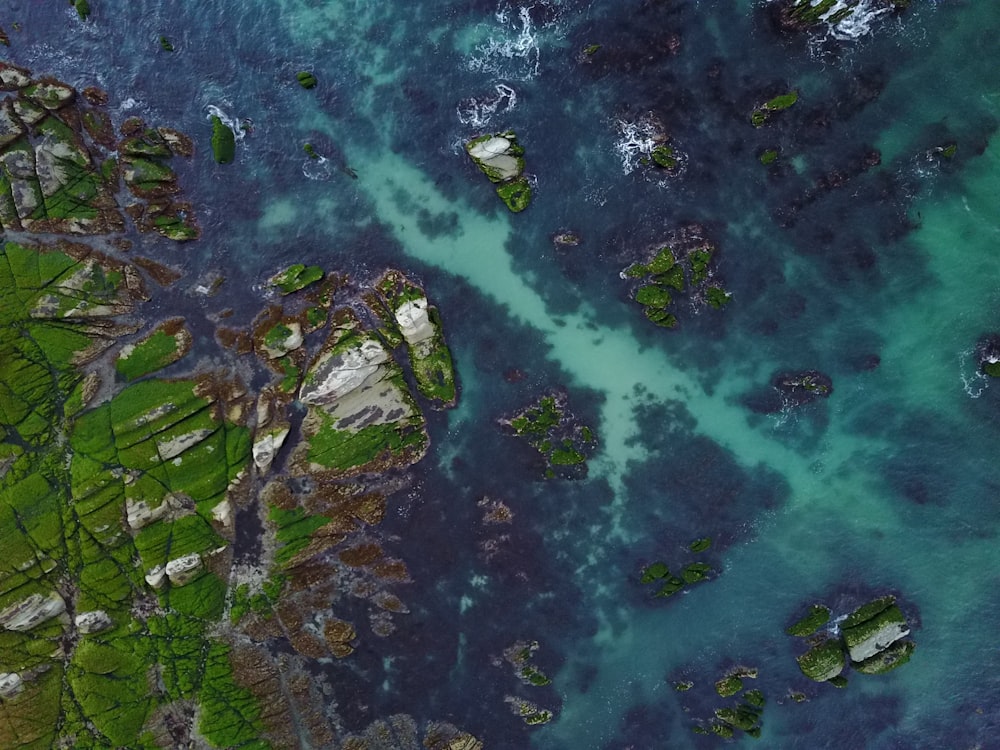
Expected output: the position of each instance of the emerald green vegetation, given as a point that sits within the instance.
(552, 430)
(501, 159)
(740, 715)
(310, 151)
(666, 275)
(167, 344)
(762, 114)
(817, 617)
(590, 49)
(768, 157)
(518, 655)
(668, 584)
(296, 277)
(516, 193)
(700, 545)
(664, 156)
(992, 369)
(82, 8)
(306, 79)
(823, 661)
(165, 44)
(223, 141)
(728, 686)
(870, 638)
(409, 317)
(161, 442)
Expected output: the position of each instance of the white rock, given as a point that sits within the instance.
(182, 570)
(265, 449)
(10, 684)
(413, 321)
(489, 148)
(156, 577)
(291, 342)
(879, 640)
(223, 514)
(92, 622)
(33, 611)
(337, 374)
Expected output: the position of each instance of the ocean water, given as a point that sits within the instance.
(884, 282)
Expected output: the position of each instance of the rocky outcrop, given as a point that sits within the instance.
(11, 685)
(92, 622)
(32, 612)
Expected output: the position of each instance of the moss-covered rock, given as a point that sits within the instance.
(167, 344)
(223, 141)
(501, 159)
(823, 661)
(868, 638)
(553, 430)
(817, 617)
(306, 79)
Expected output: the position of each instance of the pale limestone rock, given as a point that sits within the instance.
(223, 514)
(156, 577)
(184, 569)
(172, 448)
(414, 322)
(878, 641)
(11, 684)
(93, 622)
(10, 127)
(493, 154)
(267, 447)
(337, 374)
(12, 77)
(32, 611)
(291, 342)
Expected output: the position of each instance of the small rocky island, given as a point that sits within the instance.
(501, 158)
(871, 639)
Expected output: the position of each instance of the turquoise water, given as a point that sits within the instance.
(885, 283)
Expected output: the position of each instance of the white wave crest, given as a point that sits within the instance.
(234, 124)
(318, 168)
(637, 140)
(477, 112)
(858, 23)
(513, 58)
(977, 382)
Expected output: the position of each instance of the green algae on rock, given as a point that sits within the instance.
(418, 324)
(823, 661)
(817, 617)
(306, 79)
(683, 266)
(60, 163)
(870, 637)
(518, 655)
(763, 113)
(167, 344)
(501, 159)
(223, 141)
(553, 430)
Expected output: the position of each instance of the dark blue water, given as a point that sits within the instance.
(855, 254)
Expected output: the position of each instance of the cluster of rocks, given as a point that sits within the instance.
(60, 163)
(871, 639)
